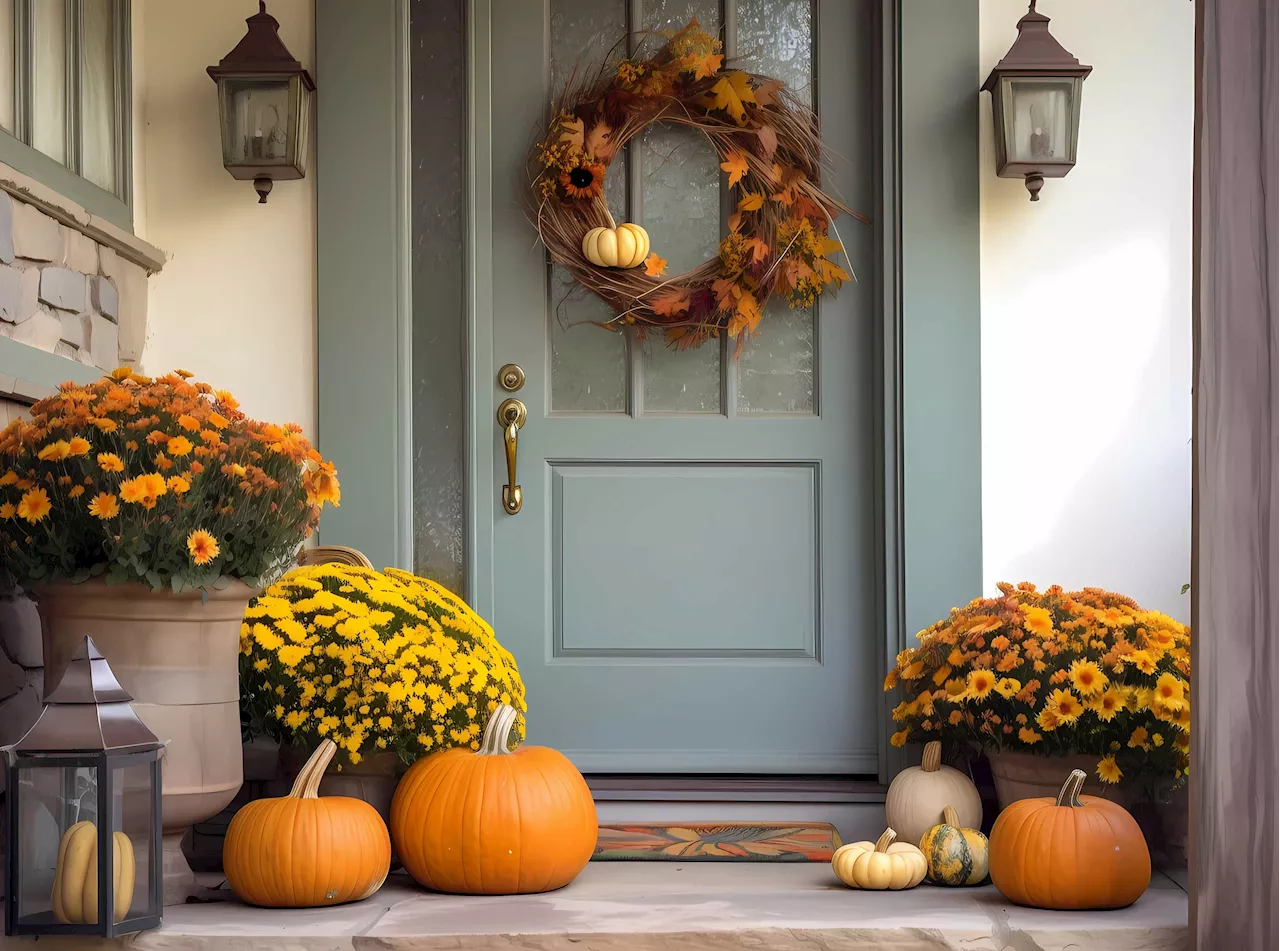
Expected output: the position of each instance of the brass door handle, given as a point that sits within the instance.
(511, 417)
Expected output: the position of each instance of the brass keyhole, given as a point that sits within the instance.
(511, 377)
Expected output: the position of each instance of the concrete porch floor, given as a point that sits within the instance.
(696, 907)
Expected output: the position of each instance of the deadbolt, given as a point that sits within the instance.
(511, 377)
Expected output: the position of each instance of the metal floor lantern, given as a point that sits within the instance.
(84, 812)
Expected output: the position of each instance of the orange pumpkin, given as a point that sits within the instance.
(1075, 852)
(302, 851)
(494, 822)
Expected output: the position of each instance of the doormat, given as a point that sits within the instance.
(718, 842)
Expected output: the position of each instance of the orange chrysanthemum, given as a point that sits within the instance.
(202, 546)
(104, 505)
(34, 505)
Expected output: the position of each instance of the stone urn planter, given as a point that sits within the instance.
(177, 655)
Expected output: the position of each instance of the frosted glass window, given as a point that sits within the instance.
(6, 65)
(49, 79)
(776, 366)
(98, 94)
(1041, 117)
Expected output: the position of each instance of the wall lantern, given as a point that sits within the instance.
(1035, 102)
(84, 812)
(264, 105)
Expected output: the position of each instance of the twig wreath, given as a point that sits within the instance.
(778, 239)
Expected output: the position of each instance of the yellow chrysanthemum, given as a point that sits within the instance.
(1138, 739)
(1037, 620)
(1008, 687)
(178, 446)
(1087, 677)
(1108, 771)
(110, 462)
(1047, 719)
(55, 452)
(1107, 704)
(979, 684)
(899, 738)
(1170, 691)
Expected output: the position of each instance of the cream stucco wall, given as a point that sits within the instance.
(1086, 317)
(236, 304)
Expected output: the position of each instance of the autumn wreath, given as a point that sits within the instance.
(778, 239)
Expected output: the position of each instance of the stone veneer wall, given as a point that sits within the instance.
(64, 292)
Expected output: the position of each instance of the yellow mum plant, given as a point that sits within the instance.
(162, 481)
(1054, 673)
(373, 660)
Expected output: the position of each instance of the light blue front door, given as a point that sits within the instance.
(690, 584)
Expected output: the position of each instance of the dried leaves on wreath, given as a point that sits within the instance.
(779, 234)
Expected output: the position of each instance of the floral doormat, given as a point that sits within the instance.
(718, 842)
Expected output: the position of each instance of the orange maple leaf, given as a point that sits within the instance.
(767, 94)
(768, 140)
(654, 265)
(794, 270)
(671, 302)
(746, 316)
(731, 93)
(751, 201)
(759, 250)
(702, 66)
(832, 273)
(726, 292)
(735, 164)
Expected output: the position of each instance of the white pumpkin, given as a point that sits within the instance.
(624, 246)
(918, 795)
(879, 865)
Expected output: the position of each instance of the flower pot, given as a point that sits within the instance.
(177, 655)
(1028, 776)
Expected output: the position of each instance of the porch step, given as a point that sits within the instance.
(667, 906)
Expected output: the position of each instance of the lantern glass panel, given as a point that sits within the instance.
(256, 114)
(50, 801)
(1038, 120)
(131, 813)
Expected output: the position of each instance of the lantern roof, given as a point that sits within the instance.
(261, 51)
(1036, 52)
(88, 711)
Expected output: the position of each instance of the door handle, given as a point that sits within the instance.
(511, 417)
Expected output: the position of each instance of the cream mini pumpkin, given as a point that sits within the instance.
(918, 795)
(883, 864)
(624, 246)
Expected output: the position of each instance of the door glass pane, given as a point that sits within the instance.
(588, 363)
(776, 368)
(49, 79)
(98, 95)
(680, 190)
(6, 65)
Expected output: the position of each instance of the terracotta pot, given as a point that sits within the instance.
(177, 655)
(1027, 776)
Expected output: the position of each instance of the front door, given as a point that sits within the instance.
(689, 586)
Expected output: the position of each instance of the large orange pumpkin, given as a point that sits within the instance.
(302, 851)
(494, 822)
(1075, 852)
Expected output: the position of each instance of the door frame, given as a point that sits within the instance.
(928, 525)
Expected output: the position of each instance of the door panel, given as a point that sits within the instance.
(690, 583)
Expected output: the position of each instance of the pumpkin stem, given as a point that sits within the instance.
(931, 761)
(498, 731)
(885, 840)
(307, 785)
(1070, 793)
(604, 207)
(950, 817)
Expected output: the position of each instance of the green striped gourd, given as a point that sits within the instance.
(954, 855)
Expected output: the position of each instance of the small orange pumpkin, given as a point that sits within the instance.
(303, 851)
(494, 822)
(1075, 852)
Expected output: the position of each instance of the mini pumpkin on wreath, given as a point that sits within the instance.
(779, 237)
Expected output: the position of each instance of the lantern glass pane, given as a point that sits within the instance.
(50, 801)
(255, 118)
(131, 814)
(1038, 120)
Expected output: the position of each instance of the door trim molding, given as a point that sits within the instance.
(364, 313)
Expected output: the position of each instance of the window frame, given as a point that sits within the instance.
(15, 147)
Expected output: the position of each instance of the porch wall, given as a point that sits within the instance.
(236, 303)
(1086, 318)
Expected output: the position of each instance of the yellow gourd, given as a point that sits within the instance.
(75, 881)
(879, 865)
(953, 854)
(625, 246)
